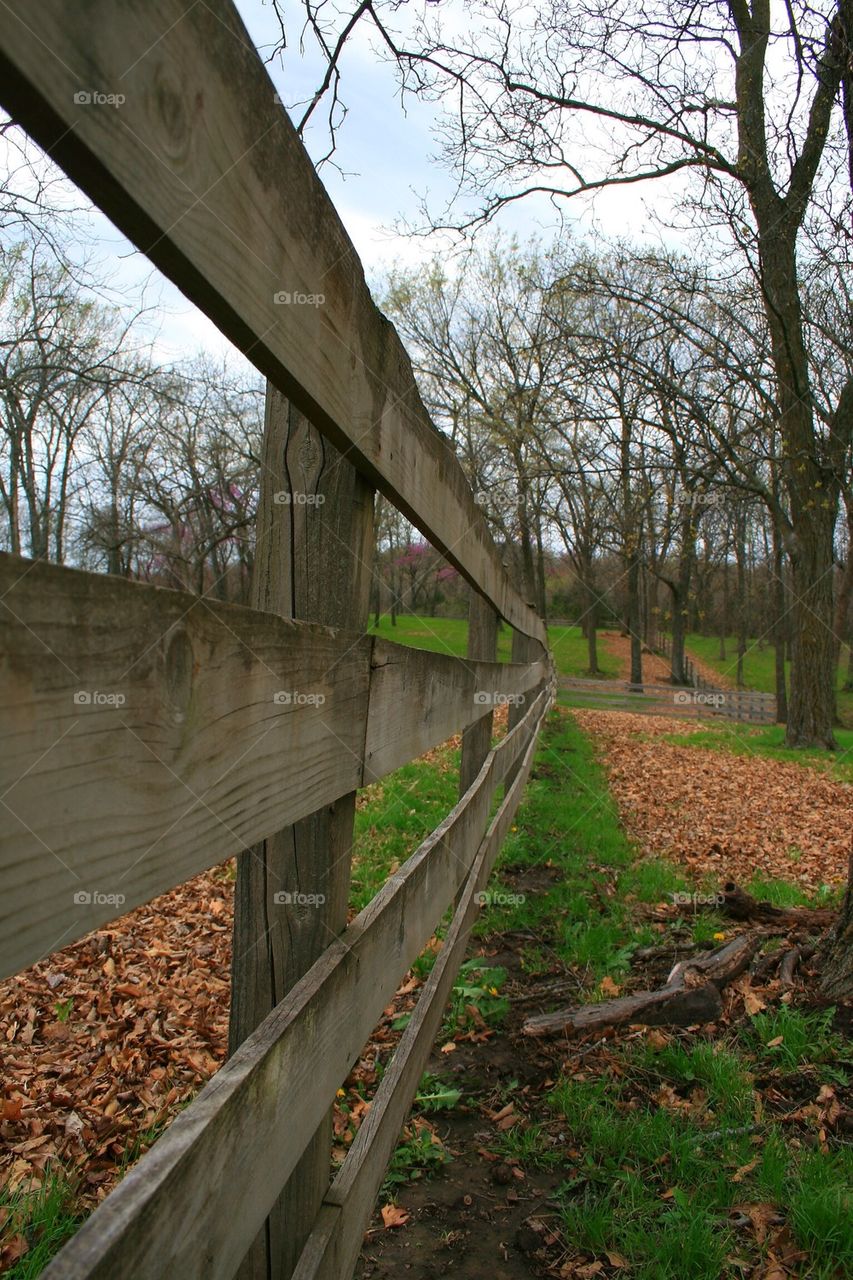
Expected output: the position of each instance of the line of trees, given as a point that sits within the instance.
(617, 411)
(108, 459)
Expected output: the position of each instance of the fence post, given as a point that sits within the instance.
(524, 649)
(313, 562)
(482, 645)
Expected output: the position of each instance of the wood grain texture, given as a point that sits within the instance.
(125, 799)
(419, 699)
(199, 762)
(194, 1204)
(312, 562)
(202, 169)
(482, 646)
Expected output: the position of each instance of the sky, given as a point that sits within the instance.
(383, 167)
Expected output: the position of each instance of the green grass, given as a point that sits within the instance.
(769, 742)
(650, 1148)
(569, 819)
(653, 1181)
(46, 1217)
(791, 1038)
(400, 811)
(759, 667)
(450, 635)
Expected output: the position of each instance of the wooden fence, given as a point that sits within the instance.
(668, 700)
(153, 733)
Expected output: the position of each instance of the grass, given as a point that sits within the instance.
(45, 1217)
(569, 821)
(769, 743)
(759, 667)
(651, 1144)
(450, 635)
(393, 816)
(791, 1038)
(654, 1173)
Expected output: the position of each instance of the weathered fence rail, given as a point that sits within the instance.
(153, 733)
(705, 702)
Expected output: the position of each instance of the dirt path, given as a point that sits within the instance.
(471, 1220)
(655, 668)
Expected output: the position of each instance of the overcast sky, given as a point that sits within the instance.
(384, 153)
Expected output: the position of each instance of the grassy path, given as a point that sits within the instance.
(722, 1151)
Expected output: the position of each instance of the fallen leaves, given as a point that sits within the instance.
(393, 1217)
(720, 814)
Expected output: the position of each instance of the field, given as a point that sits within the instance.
(759, 669)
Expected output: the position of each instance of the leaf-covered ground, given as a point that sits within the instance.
(722, 815)
(650, 1154)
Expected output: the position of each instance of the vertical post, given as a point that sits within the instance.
(482, 645)
(524, 649)
(313, 562)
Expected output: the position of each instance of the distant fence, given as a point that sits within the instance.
(152, 734)
(669, 700)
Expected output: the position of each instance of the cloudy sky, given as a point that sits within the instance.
(384, 168)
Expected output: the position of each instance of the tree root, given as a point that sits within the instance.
(741, 905)
(691, 995)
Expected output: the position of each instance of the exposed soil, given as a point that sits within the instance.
(655, 669)
(473, 1218)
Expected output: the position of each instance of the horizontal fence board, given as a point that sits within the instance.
(332, 1249)
(192, 1206)
(199, 760)
(200, 166)
(418, 698)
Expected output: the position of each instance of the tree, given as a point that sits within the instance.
(62, 354)
(578, 95)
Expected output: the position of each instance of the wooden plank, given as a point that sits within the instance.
(180, 757)
(418, 699)
(312, 562)
(482, 646)
(193, 1205)
(525, 649)
(200, 166)
(333, 1247)
(124, 801)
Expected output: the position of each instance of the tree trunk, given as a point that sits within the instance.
(740, 555)
(779, 624)
(837, 949)
(811, 709)
(591, 636)
(676, 659)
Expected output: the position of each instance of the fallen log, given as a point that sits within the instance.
(691, 995)
(740, 905)
(678, 1007)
